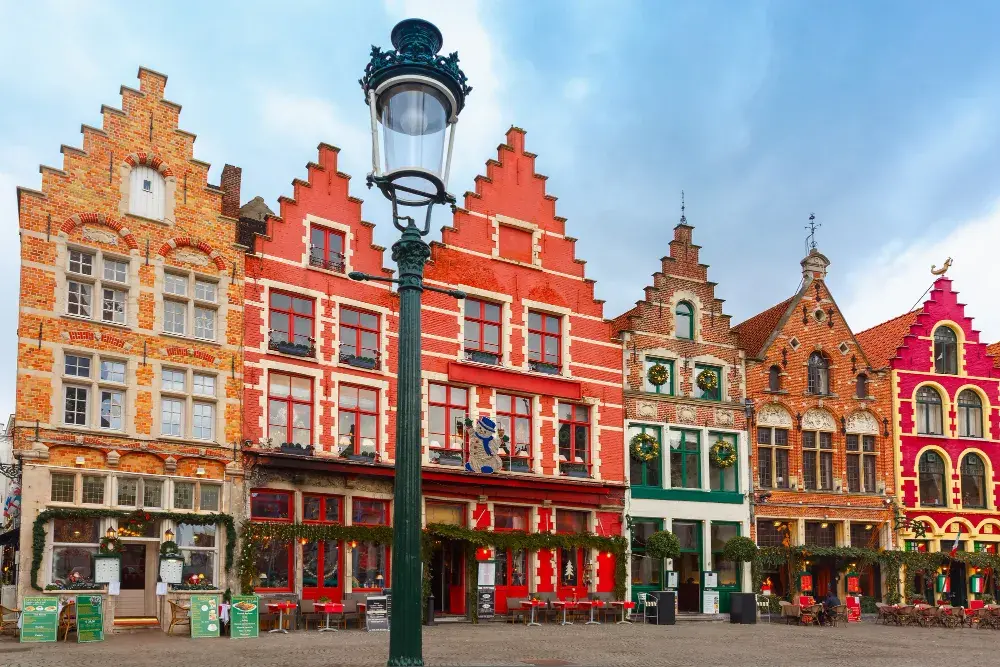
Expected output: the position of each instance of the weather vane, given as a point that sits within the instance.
(944, 269)
(812, 227)
(683, 217)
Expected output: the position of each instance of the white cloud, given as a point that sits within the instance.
(576, 89)
(895, 278)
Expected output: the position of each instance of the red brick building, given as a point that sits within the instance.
(529, 346)
(129, 356)
(946, 398)
(822, 460)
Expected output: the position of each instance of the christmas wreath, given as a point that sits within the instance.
(110, 546)
(658, 375)
(644, 447)
(723, 454)
(136, 524)
(708, 380)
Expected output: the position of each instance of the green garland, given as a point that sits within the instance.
(644, 447)
(722, 454)
(110, 547)
(43, 518)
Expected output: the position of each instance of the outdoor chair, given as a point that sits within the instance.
(764, 606)
(67, 619)
(838, 614)
(515, 611)
(607, 612)
(927, 615)
(350, 611)
(547, 612)
(647, 603)
(907, 615)
(949, 616)
(307, 610)
(880, 609)
(181, 615)
(8, 620)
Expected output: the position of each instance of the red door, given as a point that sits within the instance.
(511, 577)
(572, 574)
(455, 564)
(322, 563)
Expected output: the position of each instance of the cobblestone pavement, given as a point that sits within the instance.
(693, 643)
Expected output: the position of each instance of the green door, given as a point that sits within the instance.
(730, 573)
(647, 573)
(689, 565)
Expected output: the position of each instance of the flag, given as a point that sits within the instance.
(954, 546)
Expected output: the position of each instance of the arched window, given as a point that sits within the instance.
(970, 414)
(774, 379)
(684, 320)
(931, 480)
(147, 193)
(819, 374)
(929, 420)
(861, 388)
(945, 351)
(973, 482)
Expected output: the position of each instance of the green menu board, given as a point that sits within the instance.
(89, 618)
(205, 616)
(39, 619)
(243, 617)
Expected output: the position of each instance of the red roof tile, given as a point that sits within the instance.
(753, 333)
(882, 340)
(994, 349)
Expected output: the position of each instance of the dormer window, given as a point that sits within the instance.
(684, 321)
(945, 351)
(819, 374)
(147, 193)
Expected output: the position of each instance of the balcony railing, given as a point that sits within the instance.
(483, 357)
(544, 367)
(335, 262)
(299, 346)
(366, 359)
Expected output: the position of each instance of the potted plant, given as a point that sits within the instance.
(296, 448)
(323, 599)
(663, 544)
(742, 606)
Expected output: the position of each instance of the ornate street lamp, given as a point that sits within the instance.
(414, 96)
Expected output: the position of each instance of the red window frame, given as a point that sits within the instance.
(331, 259)
(290, 496)
(292, 314)
(444, 503)
(514, 510)
(290, 402)
(512, 416)
(574, 423)
(387, 555)
(481, 323)
(358, 412)
(449, 405)
(334, 592)
(351, 334)
(542, 334)
(580, 588)
(323, 500)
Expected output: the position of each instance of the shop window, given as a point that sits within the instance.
(569, 521)
(357, 421)
(514, 417)
(774, 378)
(688, 534)
(544, 342)
(322, 509)
(369, 512)
(817, 460)
(821, 534)
(772, 458)
(139, 492)
(708, 382)
(190, 305)
(147, 192)
(728, 570)
(447, 410)
(685, 459)
(200, 548)
(510, 517)
(945, 351)
(724, 479)
(184, 495)
(772, 533)
(970, 414)
(818, 374)
(646, 571)
(274, 566)
(574, 566)
(929, 412)
(667, 387)
(860, 463)
(368, 562)
(646, 473)
(63, 488)
(93, 489)
(271, 505)
(74, 544)
(108, 389)
(865, 536)
(321, 564)
(684, 321)
(445, 513)
(326, 249)
(482, 331)
(209, 497)
(292, 325)
(973, 482)
(93, 275)
(932, 487)
(359, 338)
(511, 567)
(289, 409)
(574, 440)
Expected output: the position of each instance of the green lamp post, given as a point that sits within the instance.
(414, 96)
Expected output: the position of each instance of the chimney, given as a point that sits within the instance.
(230, 186)
(814, 266)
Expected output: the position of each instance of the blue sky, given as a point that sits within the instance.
(879, 117)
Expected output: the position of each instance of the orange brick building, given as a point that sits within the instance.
(529, 346)
(679, 330)
(822, 460)
(129, 355)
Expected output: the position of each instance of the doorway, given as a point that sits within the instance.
(138, 583)
(959, 592)
(688, 566)
(448, 578)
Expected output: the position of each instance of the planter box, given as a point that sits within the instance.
(542, 367)
(294, 349)
(299, 450)
(359, 362)
(361, 458)
(481, 357)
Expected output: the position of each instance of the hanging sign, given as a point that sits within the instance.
(107, 569)
(486, 602)
(671, 580)
(806, 583)
(853, 583)
(89, 618)
(943, 584)
(377, 613)
(39, 619)
(244, 617)
(205, 616)
(711, 579)
(487, 573)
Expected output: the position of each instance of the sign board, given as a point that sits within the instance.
(710, 602)
(488, 573)
(171, 570)
(387, 592)
(39, 619)
(377, 613)
(107, 570)
(205, 616)
(711, 579)
(486, 602)
(244, 617)
(89, 618)
(672, 579)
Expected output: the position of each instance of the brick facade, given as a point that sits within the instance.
(125, 211)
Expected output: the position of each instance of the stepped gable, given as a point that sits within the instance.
(881, 342)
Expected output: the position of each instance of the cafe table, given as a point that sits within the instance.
(532, 604)
(592, 604)
(624, 604)
(328, 608)
(565, 604)
(281, 608)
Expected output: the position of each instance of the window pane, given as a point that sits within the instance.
(113, 371)
(76, 406)
(210, 494)
(203, 426)
(128, 490)
(77, 366)
(507, 517)
(190, 535)
(273, 565)
(152, 493)
(369, 512)
(200, 563)
(173, 380)
(301, 388)
(80, 297)
(348, 397)
(174, 284)
(204, 323)
(62, 488)
(270, 505)
(93, 489)
(332, 513)
(368, 560)
(571, 522)
(81, 262)
(115, 270)
(76, 531)
(311, 508)
(171, 416)
(183, 495)
(205, 291)
(71, 564)
(111, 410)
(113, 306)
(204, 384)
(174, 314)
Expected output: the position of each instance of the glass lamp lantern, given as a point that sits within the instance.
(414, 97)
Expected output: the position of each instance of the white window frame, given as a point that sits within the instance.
(195, 495)
(193, 306)
(98, 283)
(53, 545)
(215, 550)
(140, 499)
(189, 399)
(94, 386)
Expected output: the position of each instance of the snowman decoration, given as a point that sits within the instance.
(483, 445)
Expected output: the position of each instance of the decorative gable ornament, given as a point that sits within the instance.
(773, 414)
(818, 420)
